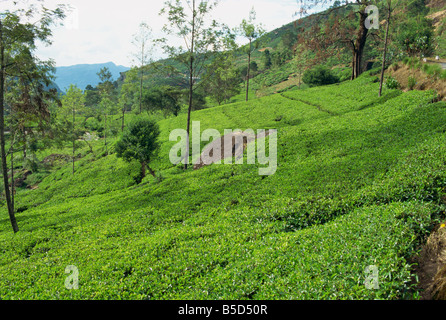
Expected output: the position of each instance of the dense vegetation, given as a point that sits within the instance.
(360, 180)
(359, 183)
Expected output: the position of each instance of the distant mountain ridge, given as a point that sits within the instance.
(83, 75)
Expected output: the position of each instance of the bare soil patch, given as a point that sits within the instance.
(237, 141)
(424, 81)
(431, 269)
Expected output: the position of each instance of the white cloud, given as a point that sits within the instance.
(103, 29)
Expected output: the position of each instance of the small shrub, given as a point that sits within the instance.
(345, 75)
(392, 83)
(411, 82)
(319, 76)
(139, 142)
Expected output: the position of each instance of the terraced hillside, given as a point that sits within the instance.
(359, 183)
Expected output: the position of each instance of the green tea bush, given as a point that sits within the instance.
(319, 76)
(392, 83)
(359, 183)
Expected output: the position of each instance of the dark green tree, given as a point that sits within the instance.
(139, 142)
(92, 99)
(319, 76)
(266, 58)
(18, 41)
(165, 99)
(415, 36)
(222, 79)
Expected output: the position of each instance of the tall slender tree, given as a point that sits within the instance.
(127, 94)
(390, 9)
(190, 21)
(20, 29)
(73, 102)
(106, 89)
(252, 32)
(141, 41)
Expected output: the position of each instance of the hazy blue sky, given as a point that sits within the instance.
(102, 30)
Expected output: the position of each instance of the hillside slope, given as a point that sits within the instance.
(359, 184)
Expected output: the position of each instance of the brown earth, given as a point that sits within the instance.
(424, 81)
(237, 141)
(436, 4)
(431, 266)
(437, 18)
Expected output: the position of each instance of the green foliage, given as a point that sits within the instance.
(253, 72)
(139, 141)
(319, 76)
(165, 99)
(416, 8)
(415, 36)
(360, 182)
(271, 77)
(92, 99)
(72, 102)
(266, 59)
(359, 185)
(411, 82)
(279, 58)
(345, 74)
(392, 83)
(432, 69)
(222, 80)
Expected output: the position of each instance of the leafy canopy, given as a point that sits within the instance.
(139, 141)
(319, 76)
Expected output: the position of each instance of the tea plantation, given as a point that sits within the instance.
(359, 183)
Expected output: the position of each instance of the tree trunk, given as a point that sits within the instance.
(249, 71)
(74, 142)
(358, 45)
(140, 89)
(105, 135)
(191, 91)
(2, 135)
(191, 86)
(151, 172)
(12, 178)
(385, 52)
(24, 146)
(143, 170)
(123, 119)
